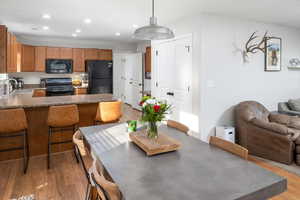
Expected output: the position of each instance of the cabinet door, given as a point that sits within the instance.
(13, 51)
(19, 56)
(3, 48)
(91, 54)
(53, 52)
(66, 53)
(78, 60)
(148, 60)
(8, 52)
(28, 54)
(40, 59)
(105, 54)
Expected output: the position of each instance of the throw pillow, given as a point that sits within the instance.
(294, 104)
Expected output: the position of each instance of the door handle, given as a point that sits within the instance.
(130, 82)
(170, 93)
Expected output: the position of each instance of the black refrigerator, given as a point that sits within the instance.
(100, 75)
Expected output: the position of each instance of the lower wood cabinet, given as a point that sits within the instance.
(79, 91)
(28, 58)
(39, 93)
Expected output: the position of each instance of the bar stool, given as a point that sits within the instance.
(109, 112)
(61, 118)
(14, 124)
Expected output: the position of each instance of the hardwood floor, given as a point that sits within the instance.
(66, 180)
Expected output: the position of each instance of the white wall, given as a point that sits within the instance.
(222, 80)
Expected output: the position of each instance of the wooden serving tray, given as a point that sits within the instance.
(152, 147)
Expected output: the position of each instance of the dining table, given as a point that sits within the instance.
(197, 171)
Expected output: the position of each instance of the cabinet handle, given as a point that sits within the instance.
(170, 93)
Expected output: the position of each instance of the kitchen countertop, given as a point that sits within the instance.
(24, 99)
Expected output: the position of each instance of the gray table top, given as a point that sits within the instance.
(196, 171)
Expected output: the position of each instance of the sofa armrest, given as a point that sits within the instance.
(267, 144)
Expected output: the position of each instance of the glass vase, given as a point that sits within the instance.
(152, 130)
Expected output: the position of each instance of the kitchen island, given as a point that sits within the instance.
(36, 109)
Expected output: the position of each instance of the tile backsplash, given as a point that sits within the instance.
(34, 77)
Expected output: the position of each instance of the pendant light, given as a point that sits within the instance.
(153, 31)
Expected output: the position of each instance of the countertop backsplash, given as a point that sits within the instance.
(34, 77)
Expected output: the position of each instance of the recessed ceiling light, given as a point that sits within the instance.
(78, 31)
(135, 26)
(87, 21)
(46, 16)
(45, 27)
(74, 35)
(118, 34)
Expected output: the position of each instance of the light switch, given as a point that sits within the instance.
(211, 84)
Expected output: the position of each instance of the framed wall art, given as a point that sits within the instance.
(273, 54)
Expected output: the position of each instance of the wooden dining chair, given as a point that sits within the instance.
(229, 147)
(179, 126)
(106, 190)
(108, 112)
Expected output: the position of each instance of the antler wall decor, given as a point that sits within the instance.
(255, 47)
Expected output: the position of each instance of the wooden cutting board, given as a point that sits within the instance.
(162, 144)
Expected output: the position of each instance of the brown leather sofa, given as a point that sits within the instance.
(267, 135)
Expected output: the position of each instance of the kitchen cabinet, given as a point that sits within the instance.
(13, 55)
(80, 91)
(66, 53)
(8, 52)
(148, 60)
(105, 54)
(78, 60)
(3, 48)
(91, 54)
(39, 93)
(28, 58)
(53, 53)
(40, 59)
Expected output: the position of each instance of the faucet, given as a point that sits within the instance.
(11, 88)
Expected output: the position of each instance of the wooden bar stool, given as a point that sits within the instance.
(109, 112)
(179, 126)
(61, 118)
(13, 123)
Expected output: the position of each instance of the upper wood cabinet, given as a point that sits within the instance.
(13, 54)
(3, 48)
(53, 52)
(105, 54)
(148, 60)
(91, 54)
(28, 58)
(66, 53)
(78, 60)
(40, 59)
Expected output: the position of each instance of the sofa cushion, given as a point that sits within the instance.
(279, 118)
(294, 134)
(294, 104)
(298, 149)
(294, 122)
(278, 128)
(297, 141)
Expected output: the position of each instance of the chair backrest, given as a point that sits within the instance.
(63, 116)
(229, 147)
(106, 190)
(178, 126)
(12, 120)
(109, 111)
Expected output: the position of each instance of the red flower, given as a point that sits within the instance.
(156, 108)
(141, 103)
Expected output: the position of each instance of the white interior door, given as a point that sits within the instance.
(137, 80)
(173, 76)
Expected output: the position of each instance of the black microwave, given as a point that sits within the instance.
(59, 66)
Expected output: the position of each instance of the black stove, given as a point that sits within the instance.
(58, 86)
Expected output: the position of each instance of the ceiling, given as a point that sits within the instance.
(112, 16)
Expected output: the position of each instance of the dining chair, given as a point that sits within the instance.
(179, 126)
(106, 190)
(108, 112)
(229, 147)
